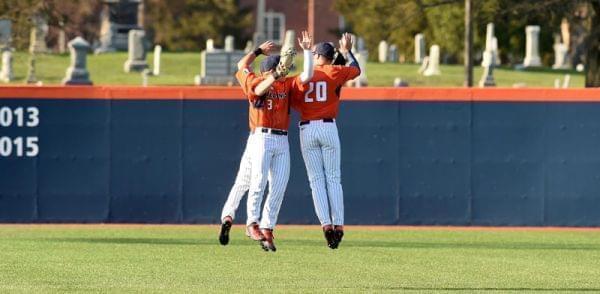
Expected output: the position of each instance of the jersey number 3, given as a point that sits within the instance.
(320, 90)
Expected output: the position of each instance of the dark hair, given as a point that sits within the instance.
(338, 58)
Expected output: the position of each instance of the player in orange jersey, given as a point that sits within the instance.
(266, 157)
(318, 105)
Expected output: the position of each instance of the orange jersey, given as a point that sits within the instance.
(320, 98)
(272, 109)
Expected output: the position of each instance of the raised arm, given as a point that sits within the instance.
(307, 69)
(246, 61)
(346, 49)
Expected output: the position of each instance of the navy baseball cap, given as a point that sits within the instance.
(269, 63)
(325, 49)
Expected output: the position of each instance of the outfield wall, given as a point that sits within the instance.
(409, 156)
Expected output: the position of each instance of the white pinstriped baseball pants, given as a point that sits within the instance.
(321, 151)
(270, 161)
(240, 186)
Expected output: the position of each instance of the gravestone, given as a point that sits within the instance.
(249, 47)
(157, 53)
(393, 54)
(561, 56)
(136, 60)
(5, 34)
(210, 45)
(77, 73)
(37, 37)
(6, 73)
(117, 18)
(487, 79)
(383, 52)
(491, 44)
(419, 48)
(433, 66)
(229, 43)
(532, 53)
(218, 67)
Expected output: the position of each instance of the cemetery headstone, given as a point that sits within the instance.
(77, 73)
(136, 60)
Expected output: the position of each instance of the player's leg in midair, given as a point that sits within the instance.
(278, 178)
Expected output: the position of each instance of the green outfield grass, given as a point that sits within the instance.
(180, 69)
(146, 259)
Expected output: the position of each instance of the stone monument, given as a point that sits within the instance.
(6, 73)
(383, 51)
(77, 73)
(210, 45)
(39, 31)
(249, 46)
(117, 18)
(5, 34)
(393, 53)
(229, 43)
(419, 48)
(532, 52)
(157, 53)
(136, 60)
(433, 65)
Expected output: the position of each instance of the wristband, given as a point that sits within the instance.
(258, 51)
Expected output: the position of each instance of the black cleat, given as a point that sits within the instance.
(338, 235)
(330, 237)
(224, 234)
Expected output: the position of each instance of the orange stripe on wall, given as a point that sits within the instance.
(354, 94)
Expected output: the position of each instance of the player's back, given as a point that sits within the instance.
(319, 98)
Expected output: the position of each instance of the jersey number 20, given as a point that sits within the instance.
(320, 90)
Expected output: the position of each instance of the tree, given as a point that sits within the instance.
(442, 22)
(187, 24)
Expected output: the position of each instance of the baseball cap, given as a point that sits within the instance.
(325, 49)
(269, 63)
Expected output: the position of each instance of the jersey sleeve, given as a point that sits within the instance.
(245, 76)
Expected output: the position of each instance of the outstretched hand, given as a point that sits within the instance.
(306, 41)
(267, 47)
(346, 43)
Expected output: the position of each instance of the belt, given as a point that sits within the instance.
(271, 131)
(325, 120)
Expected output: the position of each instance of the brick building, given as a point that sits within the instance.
(281, 15)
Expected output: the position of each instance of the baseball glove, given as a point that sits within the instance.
(285, 62)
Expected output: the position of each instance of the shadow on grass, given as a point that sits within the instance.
(148, 241)
(346, 243)
(520, 289)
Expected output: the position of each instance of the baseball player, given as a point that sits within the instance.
(266, 157)
(318, 105)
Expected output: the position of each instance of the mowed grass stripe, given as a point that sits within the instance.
(189, 258)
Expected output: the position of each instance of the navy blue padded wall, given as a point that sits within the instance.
(459, 163)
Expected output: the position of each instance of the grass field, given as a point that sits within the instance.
(180, 69)
(150, 258)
